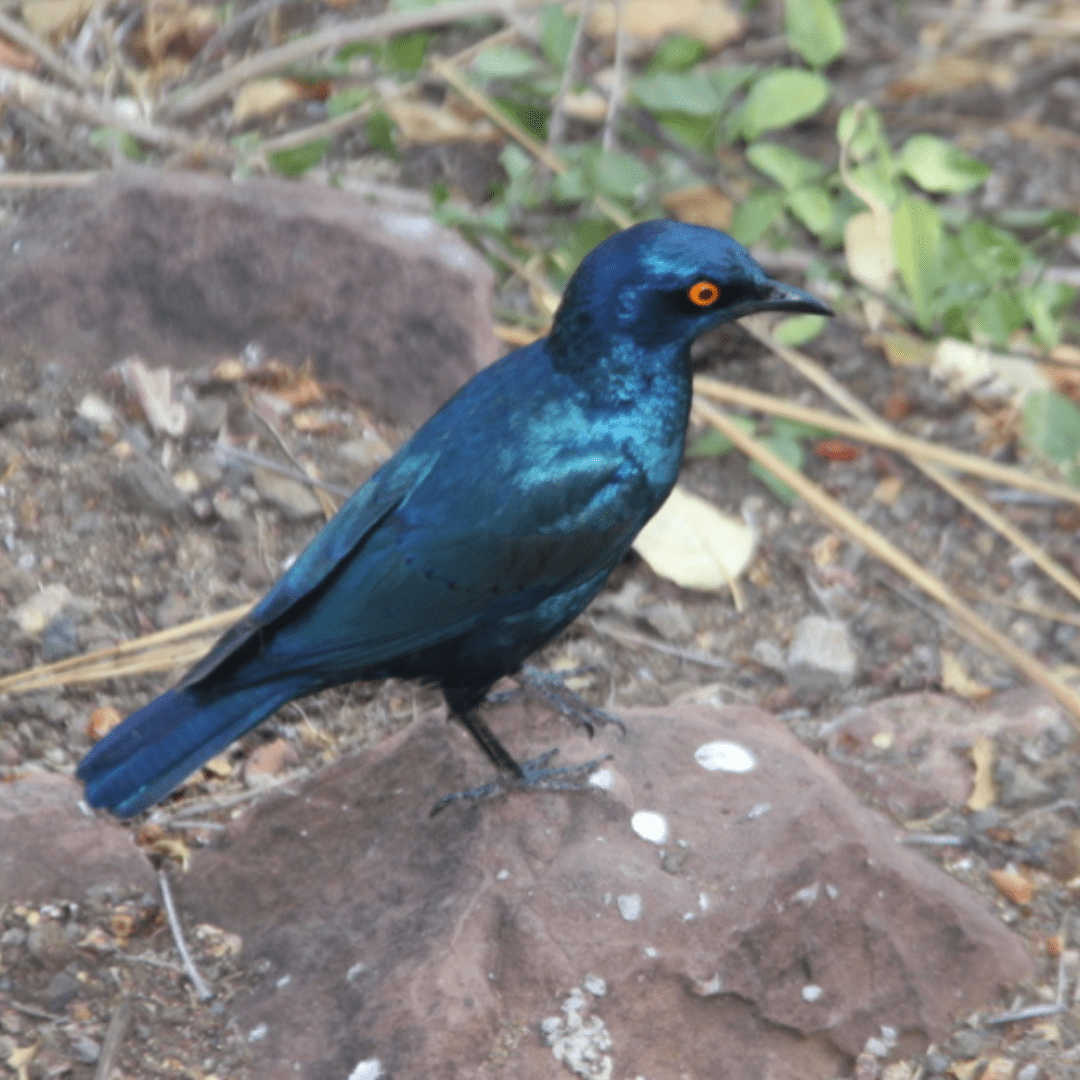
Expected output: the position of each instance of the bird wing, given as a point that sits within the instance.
(360, 515)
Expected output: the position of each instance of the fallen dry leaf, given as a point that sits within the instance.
(174, 28)
(422, 123)
(902, 349)
(1013, 886)
(868, 249)
(700, 205)
(15, 58)
(984, 374)
(949, 74)
(645, 22)
(54, 18)
(153, 388)
(983, 793)
(691, 542)
(101, 722)
(955, 679)
(264, 97)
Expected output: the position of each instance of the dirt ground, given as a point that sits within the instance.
(145, 532)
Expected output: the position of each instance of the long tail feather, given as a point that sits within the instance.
(154, 749)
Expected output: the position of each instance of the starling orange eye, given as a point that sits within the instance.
(704, 294)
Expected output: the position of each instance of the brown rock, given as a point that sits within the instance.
(50, 849)
(774, 927)
(181, 268)
(928, 764)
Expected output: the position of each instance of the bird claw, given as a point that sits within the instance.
(533, 777)
(551, 687)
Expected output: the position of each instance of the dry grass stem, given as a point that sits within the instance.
(979, 506)
(877, 545)
(16, 32)
(186, 101)
(729, 394)
(41, 99)
(480, 100)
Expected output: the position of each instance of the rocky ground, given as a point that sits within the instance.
(115, 525)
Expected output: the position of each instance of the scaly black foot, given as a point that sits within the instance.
(550, 686)
(531, 776)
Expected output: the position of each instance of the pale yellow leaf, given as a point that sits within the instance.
(54, 18)
(868, 248)
(986, 374)
(263, 97)
(700, 205)
(712, 22)
(955, 678)
(421, 123)
(694, 544)
(983, 793)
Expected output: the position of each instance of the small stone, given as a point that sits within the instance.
(295, 500)
(35, 614)
(670, 621)
(59, 640)
(143, 486)
(85, 1049)
(98, 412)
(821, 659)
(61, 990)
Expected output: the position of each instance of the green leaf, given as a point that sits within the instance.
(622, 176)
(571, 186)
(755, 214)
(505, 62)
(938, 166)
(696, 131)
(676, 53)
(127, 144)
(1044, 304)
(405, 53)
(988, 254)
(789, 451)
(731, 77)
(788, 168)
(862, 129)
(794, 430)
(814, 207)
(815, 30)
(667, 91)
(997, 316)
(1065, 222)
(1051, 426)
(780, 99)
(799, 329)
(713, 444)
(380, 133)
(556, 34)
(515, 161)
(584, 236)
(298, 160)
(345, 101)
(917, 237)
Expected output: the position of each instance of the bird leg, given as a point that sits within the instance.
(530, 775)
(550, 687)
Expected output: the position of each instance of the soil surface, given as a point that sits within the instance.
(130, 531)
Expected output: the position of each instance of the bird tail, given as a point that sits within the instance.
(153, 750)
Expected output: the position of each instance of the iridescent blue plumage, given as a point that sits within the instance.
(488, 532)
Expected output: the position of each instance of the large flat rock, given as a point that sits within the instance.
(774, 929)
(184, 268)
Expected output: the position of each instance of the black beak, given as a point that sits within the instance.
(780, 297)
